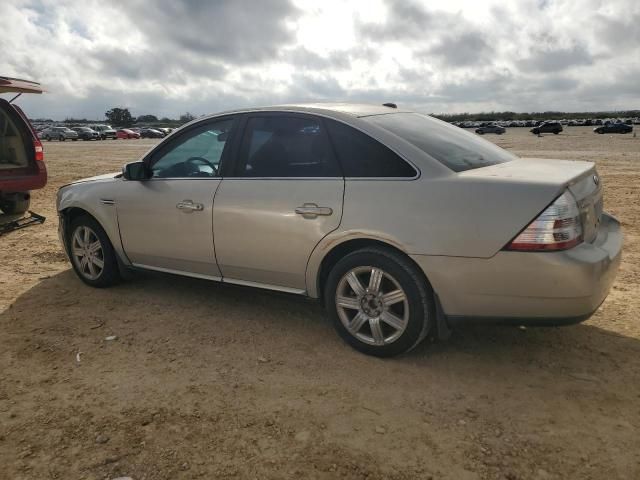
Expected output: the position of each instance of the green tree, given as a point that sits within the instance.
(120, 117)
(186, 117)
(147, 119)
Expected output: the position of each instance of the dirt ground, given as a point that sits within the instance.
(212, 381)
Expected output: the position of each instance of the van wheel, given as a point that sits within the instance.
(17, 204)
(62, 138)
(379, 302)
(92, 255)
(47, 138)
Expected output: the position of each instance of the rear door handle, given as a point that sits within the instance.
(311, 210)
(188, 206)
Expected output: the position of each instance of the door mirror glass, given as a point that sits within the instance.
(135, 171)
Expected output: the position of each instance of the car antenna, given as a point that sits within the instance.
(390, 105)
(14, 98)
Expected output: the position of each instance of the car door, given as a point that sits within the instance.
(283, 195)
(166, 221)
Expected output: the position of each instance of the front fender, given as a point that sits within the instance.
(96, 199)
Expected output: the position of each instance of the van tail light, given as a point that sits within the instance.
(559, 227)
(39, 151)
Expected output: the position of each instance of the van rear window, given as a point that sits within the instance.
(12, 149)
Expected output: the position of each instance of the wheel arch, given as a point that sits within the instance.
(316, 281)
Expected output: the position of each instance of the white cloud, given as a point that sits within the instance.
(169, 57)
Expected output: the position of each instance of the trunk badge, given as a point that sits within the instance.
(596, 179)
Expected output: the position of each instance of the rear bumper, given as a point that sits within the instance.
(24, 183)
(545, 288)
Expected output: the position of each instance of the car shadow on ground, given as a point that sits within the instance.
(275, 321)
(171, 364)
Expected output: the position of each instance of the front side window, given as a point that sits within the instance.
(363, 156)
(195, 154)
(281, 146)
(449, 145)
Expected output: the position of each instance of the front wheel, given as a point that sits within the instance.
(92, 255)
(379, 302)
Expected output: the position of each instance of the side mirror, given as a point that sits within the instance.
(135, 171)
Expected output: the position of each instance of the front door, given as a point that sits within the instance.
(166, 221)
(283, 196)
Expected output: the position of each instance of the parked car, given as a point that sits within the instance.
(403, 225)
(105, 131)
(22, 167)
(547, 127)
(151, 133)
(125, 133)
(86, 133)
(497, 129)
(59, 133)
(614, 128)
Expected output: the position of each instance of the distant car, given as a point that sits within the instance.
(59, 133)
(614, 128)
(22, 167)
(125, 133)
(105, 131)
(497, 129)
(151, 133)
(86, 133)
(547, 127)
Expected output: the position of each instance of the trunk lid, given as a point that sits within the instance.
(17, 85)
(580, 178)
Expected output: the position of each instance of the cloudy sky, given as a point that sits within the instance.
(167, 57)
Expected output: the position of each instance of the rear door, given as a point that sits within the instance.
(282, 197)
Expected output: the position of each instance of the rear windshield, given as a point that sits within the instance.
(452, 146)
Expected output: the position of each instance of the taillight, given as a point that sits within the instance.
(38, 150)
(557, 228)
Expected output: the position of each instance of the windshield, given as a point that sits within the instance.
(450, 145)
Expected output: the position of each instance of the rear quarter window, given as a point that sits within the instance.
(362, 156)
(449, 145)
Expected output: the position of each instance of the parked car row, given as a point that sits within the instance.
(535, 123)
(555, 127)
(99, 132)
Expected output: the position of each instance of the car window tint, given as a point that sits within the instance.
(280, 146)
(451, 146)
(195, 154)
(362, 156)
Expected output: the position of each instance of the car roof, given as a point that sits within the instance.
(353, 109)
(18, 85)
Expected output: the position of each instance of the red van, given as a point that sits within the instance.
(22, 165)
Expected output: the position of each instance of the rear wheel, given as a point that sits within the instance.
(62, 138)
(92, 255)
(15, 204)
(379, 302)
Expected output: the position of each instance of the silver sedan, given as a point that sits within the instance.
(401, 224)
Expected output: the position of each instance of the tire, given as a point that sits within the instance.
(47, 138)
(89, 270)
(19, 203)
(556, 132)
(74, 139)
(62, 138)
(413, 313)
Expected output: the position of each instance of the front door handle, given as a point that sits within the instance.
(311, 210)
(188, 206)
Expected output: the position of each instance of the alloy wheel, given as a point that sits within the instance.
(87, 252)
(372, 305)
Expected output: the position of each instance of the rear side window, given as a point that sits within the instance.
(281, 146)
(12, 147)
(451, 146)
(362, 156)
